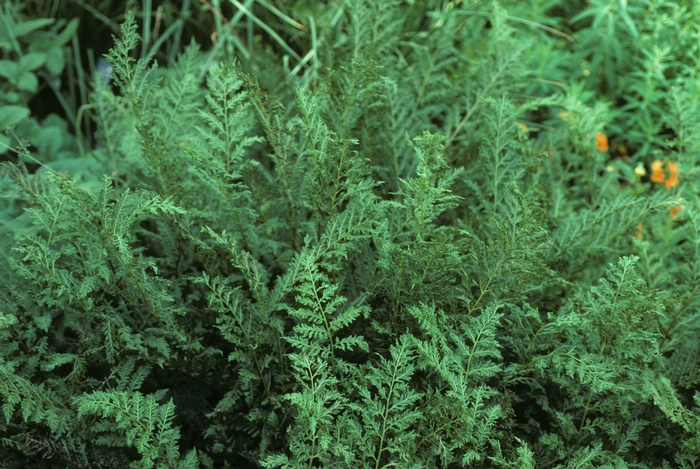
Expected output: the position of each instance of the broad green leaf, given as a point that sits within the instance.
(28, 82)
(49, 141)
(12, 115)
(27, 27)
(32, 61)
(9, 69)
(4, 144)
(55, 61)
(67, 32)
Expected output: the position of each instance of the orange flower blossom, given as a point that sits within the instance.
(601, 142)
(658, 175)
(673, 170)
(675, 209)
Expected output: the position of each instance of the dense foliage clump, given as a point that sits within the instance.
(370, 233)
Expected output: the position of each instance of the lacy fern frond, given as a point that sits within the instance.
(386, 418)
(313, 438)
(322, 317)
(369, 233)
(37, 403)
(459, 424)
(138, 421)
(217, 157)
(427, 195)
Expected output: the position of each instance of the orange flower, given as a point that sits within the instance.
(672, 180)
(656, 174)
(659, 176)
(675, 209)
(601, 142)
(638, 233)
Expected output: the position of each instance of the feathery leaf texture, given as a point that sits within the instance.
(402, 245)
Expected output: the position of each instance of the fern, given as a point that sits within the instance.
(425, 197)
(313, 440)
(321, 318)
(503, 162)
(38, 403)
(387, 234)
(459, 422)
(137, 421)
(218, 156)
(599, 230)
(384, 430)
(416, 257)
(508, 263)
(339, 173)
(608, 337)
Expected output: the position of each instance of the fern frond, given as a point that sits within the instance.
(135, 420)
(254, 335)
(426, 196)
(459, 423)
(133, 76)
(599, 231)
(387, 418)
(321, 317)
(338, 171)
(317, 405)
(346, 231)
(503, 162)
(180, 96)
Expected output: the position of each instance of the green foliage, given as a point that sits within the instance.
(385, 429)
(32, 57)
(354, 233)
(460, 420)
(313, 440)
(133, 419)
(319, 319)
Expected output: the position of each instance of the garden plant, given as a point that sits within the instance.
(350, 234)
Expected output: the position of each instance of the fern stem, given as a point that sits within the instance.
(326, 325)
(385, 416)
(528, 353)
(424, 84)
(585, 413)
(485, 290)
